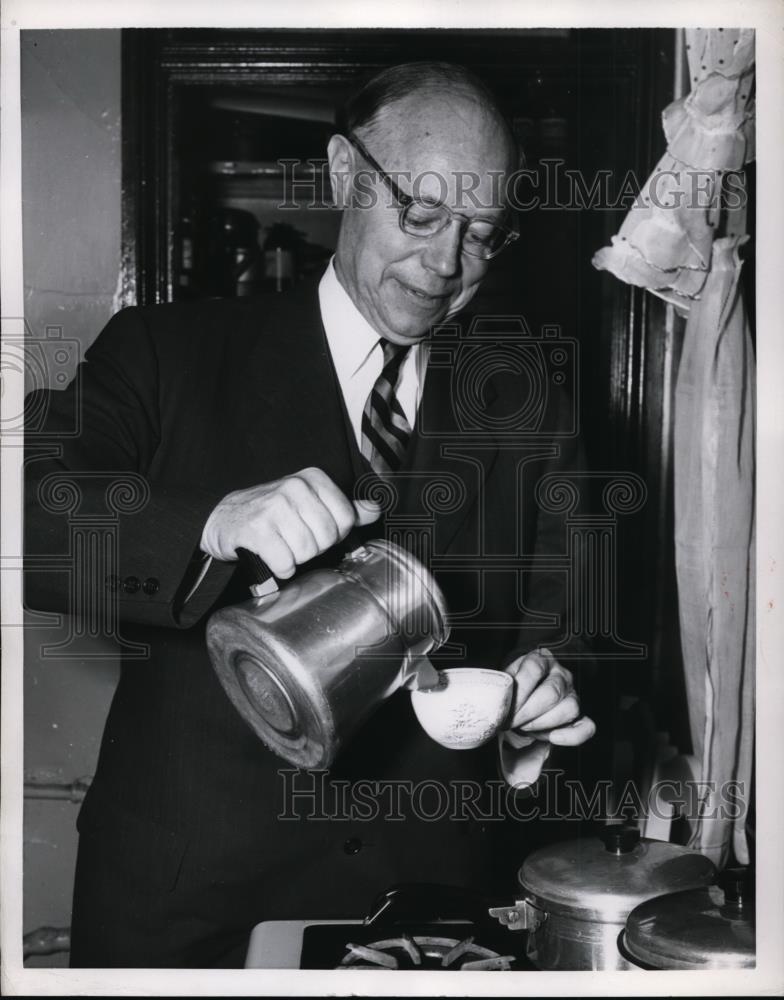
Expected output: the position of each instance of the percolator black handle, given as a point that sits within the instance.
(254, 567)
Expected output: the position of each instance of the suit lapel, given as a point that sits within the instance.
(290, 383)
(445, 469)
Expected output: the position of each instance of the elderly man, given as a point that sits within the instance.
(251, 422)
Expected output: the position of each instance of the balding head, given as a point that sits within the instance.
(397, 93)
(437, 130)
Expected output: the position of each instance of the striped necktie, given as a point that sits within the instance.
(385, 430)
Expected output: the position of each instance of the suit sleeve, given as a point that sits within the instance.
(95, 520)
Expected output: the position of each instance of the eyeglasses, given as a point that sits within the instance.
(421, 218)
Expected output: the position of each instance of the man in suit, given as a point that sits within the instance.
(247, 424)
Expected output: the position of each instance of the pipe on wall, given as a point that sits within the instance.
(74, 791)
(46, 941)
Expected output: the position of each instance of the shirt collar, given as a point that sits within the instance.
(351, 338)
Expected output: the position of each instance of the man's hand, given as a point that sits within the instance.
(287, 522)
(546, 712)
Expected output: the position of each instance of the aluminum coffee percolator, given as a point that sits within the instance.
(305, 664)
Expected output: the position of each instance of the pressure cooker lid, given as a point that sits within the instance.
(707, 928)
(602, 878)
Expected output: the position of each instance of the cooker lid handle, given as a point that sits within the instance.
(737, 884)
(619, 838)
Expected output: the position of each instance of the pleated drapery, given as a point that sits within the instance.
(664, 243)
(681, 241)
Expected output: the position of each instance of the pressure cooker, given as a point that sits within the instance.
(575, 897)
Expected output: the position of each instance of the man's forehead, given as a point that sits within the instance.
(447, 147)
(453, 127)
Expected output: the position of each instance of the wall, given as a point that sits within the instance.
(71, 162)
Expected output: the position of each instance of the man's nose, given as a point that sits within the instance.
(442, 251)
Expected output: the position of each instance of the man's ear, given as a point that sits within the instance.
(341, 164)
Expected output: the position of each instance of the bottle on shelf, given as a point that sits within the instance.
(282, 248)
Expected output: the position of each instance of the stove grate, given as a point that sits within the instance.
(424, 951)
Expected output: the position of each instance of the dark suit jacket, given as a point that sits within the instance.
(205, 398)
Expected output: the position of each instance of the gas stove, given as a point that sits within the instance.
(409, 928)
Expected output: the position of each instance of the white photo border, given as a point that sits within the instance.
(767, 17)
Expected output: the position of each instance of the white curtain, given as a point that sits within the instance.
(681, 241)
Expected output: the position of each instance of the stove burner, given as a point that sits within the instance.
(424, 951)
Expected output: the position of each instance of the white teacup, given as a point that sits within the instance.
(466, 709)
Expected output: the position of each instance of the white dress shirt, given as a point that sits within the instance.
(358, 356)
